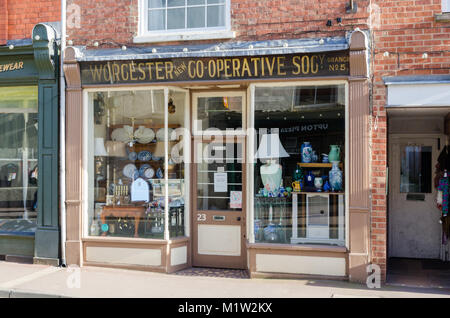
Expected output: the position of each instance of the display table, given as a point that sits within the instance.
(136, 212)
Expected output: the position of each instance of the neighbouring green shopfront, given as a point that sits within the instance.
(29, 108)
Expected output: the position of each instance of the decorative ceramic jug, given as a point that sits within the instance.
(306, 150)
(318, 182)
(335, 175)
(334, 154)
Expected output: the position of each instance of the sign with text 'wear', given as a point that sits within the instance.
(216, 68)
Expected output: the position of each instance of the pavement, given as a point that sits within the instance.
(29, 280)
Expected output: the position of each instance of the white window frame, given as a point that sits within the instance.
(146, 36)
(445, 6)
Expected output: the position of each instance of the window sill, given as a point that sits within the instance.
(442, 17)
(303, 247)
(188, 36)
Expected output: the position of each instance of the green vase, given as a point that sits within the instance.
(334, 154)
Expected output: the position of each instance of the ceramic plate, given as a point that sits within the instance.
(132, 156)
(160, 134)
(149, 173)
(144, 155)
(159, 173)
(142, 169)
(130, 170)
(122, 134)
(144, 135)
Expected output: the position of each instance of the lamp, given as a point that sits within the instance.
(270, 148)
(99, 151)
(99, 148)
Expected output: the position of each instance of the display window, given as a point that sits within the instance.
(18, 159)
(136, 150)
(299, 164)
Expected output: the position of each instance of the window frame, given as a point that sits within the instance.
(146, 36)
(251, 158)
(87, 156)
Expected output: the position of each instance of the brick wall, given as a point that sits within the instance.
(116, 21)
(406, 29)
(18, 17)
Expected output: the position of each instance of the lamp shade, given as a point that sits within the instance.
(270, 147)
(99, 147)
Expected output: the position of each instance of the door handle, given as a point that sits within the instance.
(238, 218)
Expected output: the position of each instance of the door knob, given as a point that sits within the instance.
(238, 218)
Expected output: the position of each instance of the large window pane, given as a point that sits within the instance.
(224, 112)
(216, 16)
(125, 164)
(156, 4)
(156, 20)
(300, 160)
(196, 17)
(175, 3)
(127, 184)
(195, 2)
(18, 159)
(175, 19)
(415, 174)
(219, 160)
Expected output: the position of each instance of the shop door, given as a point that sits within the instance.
(219, 202)
(414, 228)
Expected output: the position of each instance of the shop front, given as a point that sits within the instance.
(29, 226)
(220, 157)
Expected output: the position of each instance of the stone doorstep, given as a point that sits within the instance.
(17, 259)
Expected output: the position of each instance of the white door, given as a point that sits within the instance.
(414, 228)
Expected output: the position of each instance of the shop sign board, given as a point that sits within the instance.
(216, 68)
(20, 67)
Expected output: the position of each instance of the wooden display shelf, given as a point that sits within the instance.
(317, 165)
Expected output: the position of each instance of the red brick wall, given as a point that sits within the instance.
(18, 17)
(406, 29)
(117, 20)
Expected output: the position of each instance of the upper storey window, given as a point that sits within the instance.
(172, 20)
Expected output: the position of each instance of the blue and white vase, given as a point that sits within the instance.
(306, 150)
(335, 175)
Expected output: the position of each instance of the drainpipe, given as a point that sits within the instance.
(62, 137)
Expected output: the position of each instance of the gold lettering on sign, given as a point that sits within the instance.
(270, 66)
(142, 71)
(280, 65)
(96, 73)
(245, 68)
(191, 69)
(116, 72)
(159, 70)
(210, 68)
(15, 66)
(236, 67)
(124, 73)
(132, 70)
(296, 64)
(169, 70)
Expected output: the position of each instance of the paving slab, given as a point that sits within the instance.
(11, 271)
